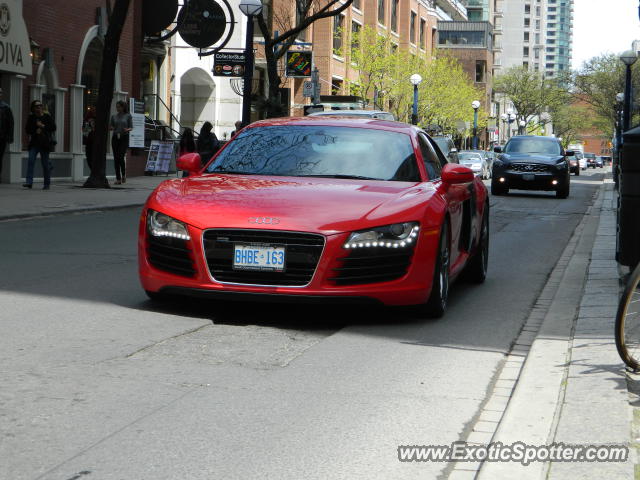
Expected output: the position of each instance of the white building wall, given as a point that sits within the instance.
(206, 98)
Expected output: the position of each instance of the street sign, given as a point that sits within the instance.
(229, 65)
(298, 64)
(308, 89)
(136, 136)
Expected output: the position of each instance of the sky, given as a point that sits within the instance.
(603, 27)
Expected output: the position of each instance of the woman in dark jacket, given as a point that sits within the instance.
(208, 144)
(40, 128)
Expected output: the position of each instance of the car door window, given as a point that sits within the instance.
(432, 161)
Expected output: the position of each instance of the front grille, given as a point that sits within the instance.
(172, 255)
(372, 265)
(303, 252)
(529, 167)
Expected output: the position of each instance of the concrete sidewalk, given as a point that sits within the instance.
(572, 387)
(68, 197)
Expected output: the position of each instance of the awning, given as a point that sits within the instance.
(15, 47)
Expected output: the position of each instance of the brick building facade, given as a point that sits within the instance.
(66, 48)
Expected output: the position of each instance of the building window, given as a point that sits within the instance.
(526, 36)
(537, 39)
(527, 9)
(550, 58)
(536, 53)
(552, 25)
(537, 11)
(549, 65)
(551, 17)
(551, 33)
(381, 9)
(356, 4)
(527, 22)
(394, 15)
(302, 36)
(461, 38)
(525, 52)
(481, 69)
(423, 27)
(537, 24)
(336, 86)
(338, 24)
(551, 42)
(355, 30)
(412, 28)
(525, 64)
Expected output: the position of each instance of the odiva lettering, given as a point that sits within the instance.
(11, 53)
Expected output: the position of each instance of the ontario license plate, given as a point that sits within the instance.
(259, 257)
(528, 176)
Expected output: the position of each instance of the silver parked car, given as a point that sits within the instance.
(476, 160)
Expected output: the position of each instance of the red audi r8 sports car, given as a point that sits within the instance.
(318, 208)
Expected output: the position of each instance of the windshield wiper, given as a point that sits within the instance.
(348, 177)
(234, 172)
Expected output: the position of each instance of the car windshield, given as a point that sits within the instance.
(589, 155)
(470, 157)
(533, 145)
(319, 151)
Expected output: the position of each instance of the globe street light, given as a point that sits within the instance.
(250, 8)
(511, 118)
(628, 58)
(475, 105)
(522, 125)
(505, 118)
(415, 80)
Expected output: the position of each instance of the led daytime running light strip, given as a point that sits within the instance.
(386, 243)
(162, 233)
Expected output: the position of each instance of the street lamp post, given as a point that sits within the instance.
(511, 116)
(250, 8)
(475, 105)
(522, 125)
(415, 80)
(628, 58)
(504, 117)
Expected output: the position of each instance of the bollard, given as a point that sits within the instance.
(628, 234)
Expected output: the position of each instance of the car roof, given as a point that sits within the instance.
(337, 121)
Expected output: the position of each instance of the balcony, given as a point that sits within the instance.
(464, 34)
(454, 8)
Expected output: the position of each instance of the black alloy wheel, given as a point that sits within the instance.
(476, 270)
(563, 190)
(437, 303)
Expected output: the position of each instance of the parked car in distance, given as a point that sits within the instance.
(574, 163)
(599, 162)
(379, 114)
(477, 161)
(531, 162)
(591, 159)
(447, 148)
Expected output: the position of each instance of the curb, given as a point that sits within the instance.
(70, 211)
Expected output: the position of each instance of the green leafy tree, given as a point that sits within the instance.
(530, 92)
(276, 45)
(569, 121)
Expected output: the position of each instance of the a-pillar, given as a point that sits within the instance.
(76, 122)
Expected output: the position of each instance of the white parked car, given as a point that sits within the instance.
(476, 161)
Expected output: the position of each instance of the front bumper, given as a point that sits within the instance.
(530, 181)
(412, 288)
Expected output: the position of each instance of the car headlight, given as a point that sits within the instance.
(398, 235)
(161, 225)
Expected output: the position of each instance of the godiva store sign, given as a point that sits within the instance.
(15, 47)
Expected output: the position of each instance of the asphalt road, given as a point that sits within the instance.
(98, 383)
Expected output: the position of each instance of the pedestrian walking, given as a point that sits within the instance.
(6, 127)
(40, 127)
(187, 145)
(121, 124)
(207, 144)
(238, 125)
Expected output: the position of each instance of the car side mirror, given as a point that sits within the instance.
(189, 162)
(569, 153)
(497, 149)
(455, 174)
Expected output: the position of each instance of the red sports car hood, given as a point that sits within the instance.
(287, 203)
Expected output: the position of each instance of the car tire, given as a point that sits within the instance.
(156, 297)
(437, 303)
(563, 192)
(476, 270)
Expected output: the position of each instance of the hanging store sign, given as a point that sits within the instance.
(228, 65)
(298, 64)
(202, 23)
(15, 47)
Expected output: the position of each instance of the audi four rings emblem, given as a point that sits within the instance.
(264, 220)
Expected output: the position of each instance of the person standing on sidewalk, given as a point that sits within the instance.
(121, 124)
(6, 127)
(40, 128)
(208, 144)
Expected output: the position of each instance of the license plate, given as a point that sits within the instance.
(259, 257)
(528, 176)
